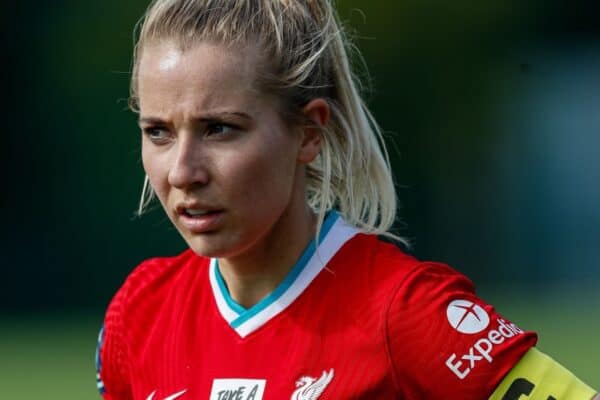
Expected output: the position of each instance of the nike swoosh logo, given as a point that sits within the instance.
(171, 397)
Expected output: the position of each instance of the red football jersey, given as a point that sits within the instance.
(355, 318)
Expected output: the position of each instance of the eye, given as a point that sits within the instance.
(157, 135)
(219, 128)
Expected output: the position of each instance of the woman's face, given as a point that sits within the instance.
(221, 160)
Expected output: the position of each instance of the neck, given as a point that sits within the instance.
(254, 274)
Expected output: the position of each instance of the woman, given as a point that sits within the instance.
(260, 150)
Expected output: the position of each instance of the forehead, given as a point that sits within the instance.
(205, 76)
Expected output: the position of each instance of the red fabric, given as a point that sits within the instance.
(375, 316)
(431, 358)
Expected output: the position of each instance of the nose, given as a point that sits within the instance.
(190, 166)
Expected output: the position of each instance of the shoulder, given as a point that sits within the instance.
(131, 311)
(155, 275)
(147, 287)
(159, 268)
(410, 281)
(368, 270)
(362, 279)
(367, 255)
(383, 269)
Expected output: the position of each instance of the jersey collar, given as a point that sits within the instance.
(334, 233)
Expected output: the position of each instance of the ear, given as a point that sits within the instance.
(317, 115)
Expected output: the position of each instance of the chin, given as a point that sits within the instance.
(204, 249)
(210, 245)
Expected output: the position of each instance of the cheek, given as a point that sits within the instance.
(267, 178)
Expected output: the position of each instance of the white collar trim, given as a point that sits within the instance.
(246, 321)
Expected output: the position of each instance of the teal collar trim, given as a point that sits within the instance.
(240, 318)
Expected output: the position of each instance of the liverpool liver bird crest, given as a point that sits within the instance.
(309, 388)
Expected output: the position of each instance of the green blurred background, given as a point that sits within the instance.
(491, 108)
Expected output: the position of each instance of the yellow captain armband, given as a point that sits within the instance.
(539, 377)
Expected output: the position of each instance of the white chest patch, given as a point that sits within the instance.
(237, 389)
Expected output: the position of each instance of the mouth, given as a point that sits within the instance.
(193, 213)
(200, 219)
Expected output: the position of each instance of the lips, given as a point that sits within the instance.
(198, 218)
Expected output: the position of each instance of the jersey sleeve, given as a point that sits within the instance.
(111, 354)
(445, 342)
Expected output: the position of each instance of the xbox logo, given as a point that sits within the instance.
(467, 317)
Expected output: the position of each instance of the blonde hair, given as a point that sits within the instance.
(306, 57)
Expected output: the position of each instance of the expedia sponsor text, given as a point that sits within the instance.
(482, 349)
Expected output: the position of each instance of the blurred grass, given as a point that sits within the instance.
(48, 357)
(52, 357)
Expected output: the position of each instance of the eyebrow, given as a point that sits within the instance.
(208, 117)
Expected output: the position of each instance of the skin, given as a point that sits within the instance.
(212, 142)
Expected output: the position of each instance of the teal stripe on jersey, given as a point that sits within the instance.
(234, 305)
(289, 279)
